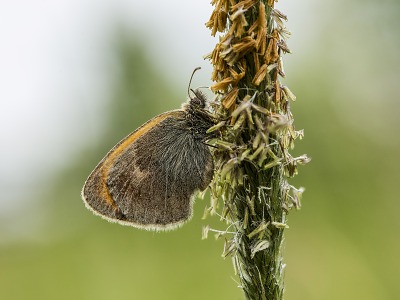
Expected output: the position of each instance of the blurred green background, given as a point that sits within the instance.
(343, 243)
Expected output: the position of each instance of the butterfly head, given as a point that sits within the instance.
(197, 100)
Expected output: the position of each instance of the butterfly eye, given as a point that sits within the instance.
(196, 102)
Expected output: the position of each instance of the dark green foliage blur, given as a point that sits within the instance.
(342, 244)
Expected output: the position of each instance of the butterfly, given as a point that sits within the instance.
(149, 179)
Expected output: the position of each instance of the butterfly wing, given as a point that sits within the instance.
(149, 178)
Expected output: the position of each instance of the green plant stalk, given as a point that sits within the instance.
(252, 156)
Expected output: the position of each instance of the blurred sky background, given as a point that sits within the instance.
(77, 76)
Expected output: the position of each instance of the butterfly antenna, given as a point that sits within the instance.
(190, 82)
